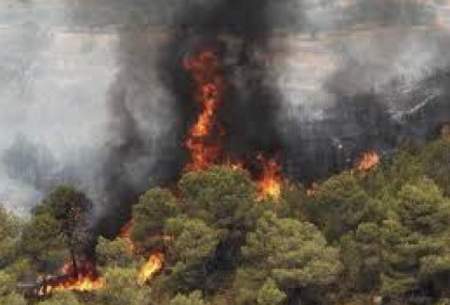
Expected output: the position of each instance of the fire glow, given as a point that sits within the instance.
(154, 263)
(84, 279)
(150, 268)
(368, 161)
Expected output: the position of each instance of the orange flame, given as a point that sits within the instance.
(154, 264)
(125, 234)
(269, 185)
(86, 280)
(202, 140)
(368, 161)
(82, 284)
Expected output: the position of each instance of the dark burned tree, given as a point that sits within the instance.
(67, 210)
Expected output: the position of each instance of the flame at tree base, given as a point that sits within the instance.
(82, 284)
(154, 264)
(85, 279)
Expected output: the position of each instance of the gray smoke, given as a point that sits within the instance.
(372, 75)
(52, 99)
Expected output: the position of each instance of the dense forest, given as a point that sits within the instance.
(380, 236)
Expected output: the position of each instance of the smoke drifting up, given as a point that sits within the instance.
(316, 81)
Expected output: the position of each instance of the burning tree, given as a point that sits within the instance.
(59, 223)
(70, 208)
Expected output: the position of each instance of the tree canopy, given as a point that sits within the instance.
(376, 237)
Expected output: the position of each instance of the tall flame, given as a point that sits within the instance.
(368, 161)
(154, 264)
(269, 185)
(204, 136)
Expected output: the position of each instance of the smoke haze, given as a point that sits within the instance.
(96, 96)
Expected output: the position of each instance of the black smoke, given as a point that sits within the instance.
(241, 33)
(246, 115)
(372, 98)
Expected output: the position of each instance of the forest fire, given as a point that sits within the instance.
(368, 161)
(204, 136)
(154, 264)
(203, 140)
(269, 185)
(84, 279)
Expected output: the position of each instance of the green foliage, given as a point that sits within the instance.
(192, 249)
(362, 258)
(113, 252)
(70, 208)
(293, 203)
(150, 215)
(225, 200)
(359, 238)
(423, 208)
(221, 196)
(59, 223)
(416, 243)
(20, 267)
(195, 298)
(7, 283)
(121, 288)
(436, 159)
(269, 294)
(248, 280)
(12, 299)
(194, 240)
(406, 167)
(10, 227)
(295, 254)
(341, 204)
(62, 298)
(42, 241)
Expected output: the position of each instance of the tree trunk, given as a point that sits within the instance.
(74, 263)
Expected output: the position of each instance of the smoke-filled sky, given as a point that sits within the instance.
(84, 97)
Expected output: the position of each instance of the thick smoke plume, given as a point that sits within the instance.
(316, 82)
